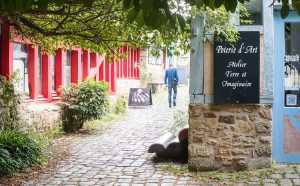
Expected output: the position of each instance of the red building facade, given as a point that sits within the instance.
(41, 75)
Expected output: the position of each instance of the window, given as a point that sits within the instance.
(20, 67)
(80, 75)
(68, 72)
(39, 71)
(53, 72)
(292, 65)
(254, 8)
(155, 56)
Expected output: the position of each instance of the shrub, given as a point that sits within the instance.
(18, 150)
(180, 121)
(120, 106)
(86, 101)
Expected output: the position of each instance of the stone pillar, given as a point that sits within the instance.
(76, 59)
(229, 137)
(33, 71)
(125, 62)
(86, 64)
(6, 62)
(59, 68)
(46, 77)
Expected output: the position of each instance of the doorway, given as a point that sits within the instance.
(286, 108)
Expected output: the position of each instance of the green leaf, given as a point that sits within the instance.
(243, 1)
(285, 10)
(8, 5)
(42, 4)
(230, 5)
(127, 3)
(151, 15)
(157, 4)
(132, 14)
(218, 3)
(181, 22)
(207, 2)
(19, 5)
(199, 3)
(137, 5)
(59, 2)
(294, 3)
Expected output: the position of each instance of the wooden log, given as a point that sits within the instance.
(161, 145)
(183, 134)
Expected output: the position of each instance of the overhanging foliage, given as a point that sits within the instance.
(104, 25)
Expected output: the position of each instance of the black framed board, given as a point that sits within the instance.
(140, 97)
(237, 70)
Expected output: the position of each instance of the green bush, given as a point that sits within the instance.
(81, 102)
(18, 150)
(180, 121)
(120, 106)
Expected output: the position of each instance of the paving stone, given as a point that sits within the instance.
(69, 183)
(167, 184)
(291, 176)
(168, 180)
(124, 180)
(285, 182)
(87, 183)
(252, 183)
(285, 168)
(254, 179)
(276, 176)
(119, 155)
(296, 181)
(181, 183)
(268, 181)
(151, 184)
(270, 184)
(153, 180)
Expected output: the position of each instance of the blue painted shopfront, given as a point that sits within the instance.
(286, 108)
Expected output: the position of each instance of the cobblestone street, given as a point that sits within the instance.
(119, 157)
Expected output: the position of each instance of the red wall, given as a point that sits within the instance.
(94, 66)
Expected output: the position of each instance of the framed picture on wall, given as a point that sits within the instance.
(291, 100)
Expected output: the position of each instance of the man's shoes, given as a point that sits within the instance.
(170, 105)
(174, 104)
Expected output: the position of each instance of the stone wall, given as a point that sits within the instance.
(5, 114)
(8, 104)
(229, 137)
(38, 117)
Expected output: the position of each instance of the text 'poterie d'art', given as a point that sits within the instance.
(237, 70)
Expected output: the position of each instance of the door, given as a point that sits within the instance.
(286, 108)
(20, 66)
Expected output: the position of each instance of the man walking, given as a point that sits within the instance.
(171, 79)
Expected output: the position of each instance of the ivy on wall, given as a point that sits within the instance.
(8, 104)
